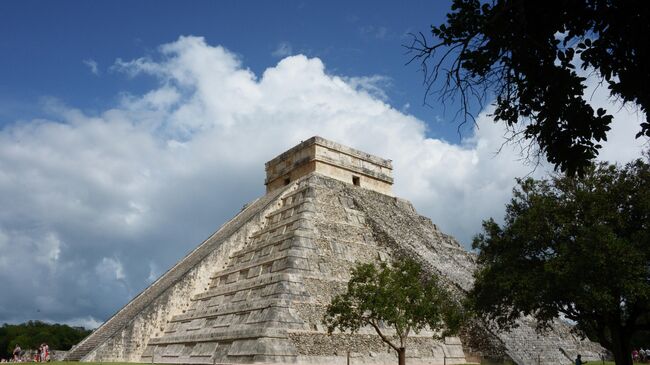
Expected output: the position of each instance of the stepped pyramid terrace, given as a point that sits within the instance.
(256, 290)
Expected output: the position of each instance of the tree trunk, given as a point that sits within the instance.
(623, 358)
(621, 347)
(401, 355)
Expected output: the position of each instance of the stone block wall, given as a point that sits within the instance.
(333, 160)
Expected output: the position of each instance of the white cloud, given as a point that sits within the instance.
(110, 269)
(374, 85)
(48, 250)
(621, 145)
(92, 195)
(283, 49)
(92, 65)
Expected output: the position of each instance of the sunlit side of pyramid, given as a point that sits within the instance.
(256, 290)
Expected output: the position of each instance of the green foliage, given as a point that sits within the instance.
(524, 53)
(31, 334)
(401, 297)
(576, 247)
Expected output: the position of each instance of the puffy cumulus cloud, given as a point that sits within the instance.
(94, 207)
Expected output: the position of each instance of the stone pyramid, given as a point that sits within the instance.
(256, 290)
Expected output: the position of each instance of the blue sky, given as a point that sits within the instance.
(48, 43)
(131, 130)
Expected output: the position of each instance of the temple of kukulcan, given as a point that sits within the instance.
(256, 290)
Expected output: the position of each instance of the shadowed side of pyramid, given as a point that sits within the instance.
(397, 225)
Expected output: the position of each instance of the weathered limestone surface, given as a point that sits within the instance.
(333, 160)
(256, 291)
(267, 303)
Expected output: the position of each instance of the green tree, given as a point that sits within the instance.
(31, 334)
(577, 247)
(523, 54)
(401, 297)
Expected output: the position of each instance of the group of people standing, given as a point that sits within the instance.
(42, 354)
(641, 355)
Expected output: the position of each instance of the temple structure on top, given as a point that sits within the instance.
(332, 160)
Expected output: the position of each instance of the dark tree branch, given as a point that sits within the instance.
(383, 338)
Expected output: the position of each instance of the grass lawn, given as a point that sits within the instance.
(589, 362)
(612, 363)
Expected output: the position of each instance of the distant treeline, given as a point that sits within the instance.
(33, 333)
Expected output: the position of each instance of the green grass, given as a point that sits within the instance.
(612, 363)
(588, 362)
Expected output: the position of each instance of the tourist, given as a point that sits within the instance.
(642, 354)
(16, 353)
(45, 354)
(579, 360)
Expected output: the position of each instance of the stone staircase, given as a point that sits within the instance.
(167, 280)
(96, 338)
(244, 313)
